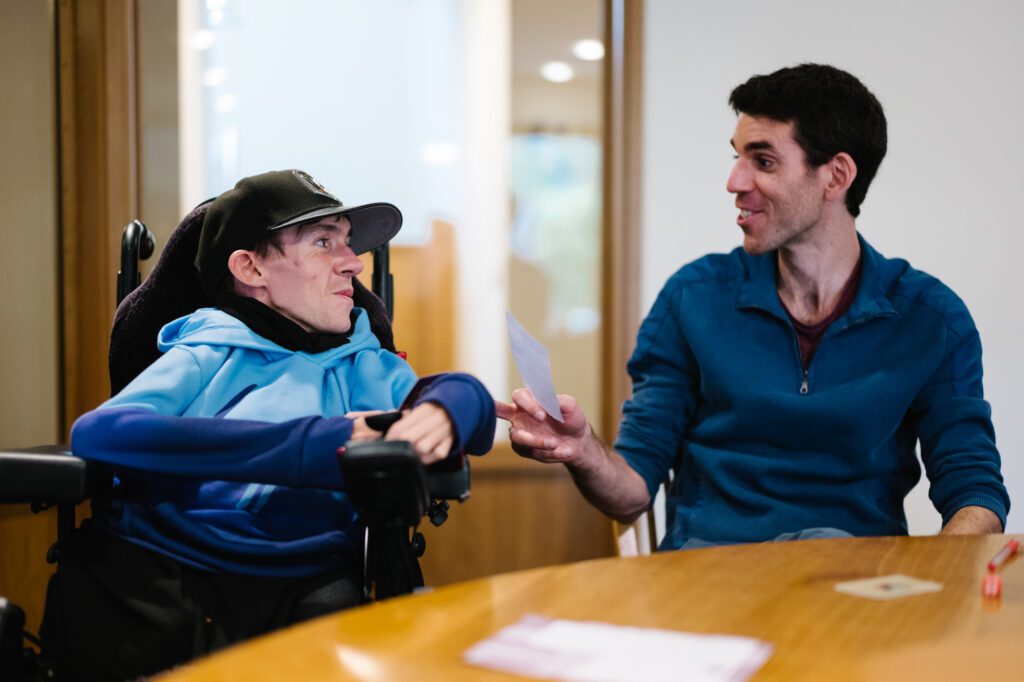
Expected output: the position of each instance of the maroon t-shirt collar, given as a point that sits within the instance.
(808, 335)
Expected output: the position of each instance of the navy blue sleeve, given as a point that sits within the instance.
(666, 381)
(296, 453)
(958, 443)
(470, 407)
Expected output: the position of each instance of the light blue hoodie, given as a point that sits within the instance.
(225, 447)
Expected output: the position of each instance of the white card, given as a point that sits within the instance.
(575, 651)
(534, 364)
(888, 587)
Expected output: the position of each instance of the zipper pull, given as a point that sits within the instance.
(803, 384)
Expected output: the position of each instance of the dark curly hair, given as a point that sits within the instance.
(831, 112)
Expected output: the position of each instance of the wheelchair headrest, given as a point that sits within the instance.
(172, 290)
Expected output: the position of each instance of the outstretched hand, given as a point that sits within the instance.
(536, 435)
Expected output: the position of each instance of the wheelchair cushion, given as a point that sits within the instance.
(172, 290)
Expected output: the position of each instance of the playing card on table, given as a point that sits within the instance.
(888, 587)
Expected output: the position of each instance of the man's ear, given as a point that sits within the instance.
(244, 266)
(842, 171)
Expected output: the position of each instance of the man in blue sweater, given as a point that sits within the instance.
(786, 384)
(230, 516)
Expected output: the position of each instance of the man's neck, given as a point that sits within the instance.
(813, 271)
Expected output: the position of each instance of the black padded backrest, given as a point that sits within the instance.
(173, 290)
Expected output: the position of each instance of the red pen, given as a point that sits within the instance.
(1011, 548)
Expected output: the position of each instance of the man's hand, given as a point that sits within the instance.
(429, 428)
(600, 473)
(536, 435)
(972, 521)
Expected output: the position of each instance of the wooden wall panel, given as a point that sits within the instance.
(521, 514)
(425, 283)
(25, 537)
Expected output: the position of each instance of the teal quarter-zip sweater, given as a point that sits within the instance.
(761, 447)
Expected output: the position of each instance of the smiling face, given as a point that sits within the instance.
(780, 199)
(309, 280)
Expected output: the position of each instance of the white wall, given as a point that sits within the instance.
(29, 353)
(353, 92)
(947, 73)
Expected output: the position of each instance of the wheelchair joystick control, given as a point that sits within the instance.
(382, 422)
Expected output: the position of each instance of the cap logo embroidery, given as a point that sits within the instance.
(313, 185)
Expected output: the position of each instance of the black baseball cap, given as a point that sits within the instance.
(275, 200)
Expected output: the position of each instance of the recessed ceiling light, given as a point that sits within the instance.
(589, 50)
(439, 154)
(202, 39)
(214, 76)
(225, 103)
(557, 72)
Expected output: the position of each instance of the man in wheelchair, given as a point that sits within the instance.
(229, 516)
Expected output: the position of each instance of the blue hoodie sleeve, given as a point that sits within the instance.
(296, 453)
(142, 428)
(469, 406)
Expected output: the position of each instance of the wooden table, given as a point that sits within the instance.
(782, 593)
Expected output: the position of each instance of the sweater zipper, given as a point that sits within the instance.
(804, 386)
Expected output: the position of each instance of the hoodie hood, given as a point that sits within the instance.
(213, 327)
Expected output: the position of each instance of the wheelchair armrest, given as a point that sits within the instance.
(388, 484)
(45, 475)
(449, 479)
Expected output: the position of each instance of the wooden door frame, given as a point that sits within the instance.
(622, 189)
(99, 188)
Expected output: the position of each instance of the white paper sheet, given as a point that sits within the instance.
(534, 364)
(594, 652)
